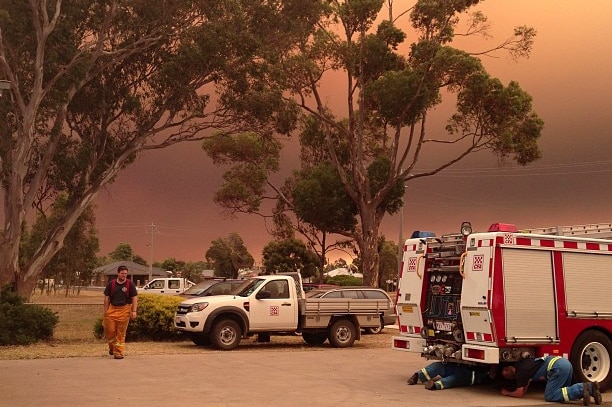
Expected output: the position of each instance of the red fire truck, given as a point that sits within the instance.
(503, 295)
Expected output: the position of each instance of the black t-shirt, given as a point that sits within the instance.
(122, 292)
(525, 370)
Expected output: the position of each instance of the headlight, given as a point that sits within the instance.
(466, 228)
(198, 307)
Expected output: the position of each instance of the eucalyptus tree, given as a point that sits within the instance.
(289, 255)
(94, 83)
(123, 252)
(377, 144)
(228, 255)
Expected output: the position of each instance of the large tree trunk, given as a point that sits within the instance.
(24, 280)
(11, 236)
(16, 203)
(368, 245)
(369, 260)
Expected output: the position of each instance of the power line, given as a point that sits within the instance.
(153, 230)
(532, 167)
(467, 175)
(523, 171)
(160, 230)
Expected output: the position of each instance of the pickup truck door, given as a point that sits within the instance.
(174, 286)
(277, 313)
(156, 286)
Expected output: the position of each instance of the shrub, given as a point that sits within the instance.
(21, 323)
(155, 320)
(344, 280)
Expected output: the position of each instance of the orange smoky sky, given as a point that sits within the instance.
(568, 76)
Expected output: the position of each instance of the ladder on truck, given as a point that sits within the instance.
(445, 252)
(596, 230)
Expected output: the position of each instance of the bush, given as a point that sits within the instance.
(21, 323)
(155, 320)
(344, 280)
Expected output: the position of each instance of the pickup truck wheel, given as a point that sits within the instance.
(590, 358)
(378, 329)
(342, 334)
(226, 335)
(313, 339)
(200, 340)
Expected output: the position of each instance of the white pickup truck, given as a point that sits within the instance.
(166, 286)
(276, 305)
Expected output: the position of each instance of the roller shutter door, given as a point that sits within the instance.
(530, 295)
(588, 282)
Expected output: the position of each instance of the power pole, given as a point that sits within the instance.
(151, 230)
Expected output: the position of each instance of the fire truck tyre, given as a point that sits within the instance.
(200, 340)
(378, 329)
(226, 334)
(313, 339)
(342, 334)
(590, 358)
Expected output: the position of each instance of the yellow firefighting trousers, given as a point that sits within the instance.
(115, 322)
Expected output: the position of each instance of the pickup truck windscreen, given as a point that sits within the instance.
(249, 286)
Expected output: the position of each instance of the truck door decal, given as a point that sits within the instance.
(274, 311)
(478, 263)
(412, 263)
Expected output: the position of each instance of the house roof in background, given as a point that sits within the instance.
(133, 269)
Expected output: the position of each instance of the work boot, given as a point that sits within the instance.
(110, 351)
(414, 379)
(586, 393)
(118, 356)
(430, 385)
(596, 393)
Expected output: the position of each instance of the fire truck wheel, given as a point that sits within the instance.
(226, 334)
(342, 334)
(590, 358)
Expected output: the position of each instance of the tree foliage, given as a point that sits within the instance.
(172, 264)
(314, 196)
(387, 252)
(74, 263)
(193, 270)
(123, 252)
(319, 199)
(289, 255)
(95, 83)
(228, 256)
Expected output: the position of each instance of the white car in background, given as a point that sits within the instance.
(388, 317)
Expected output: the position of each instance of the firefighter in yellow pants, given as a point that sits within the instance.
(120, 305)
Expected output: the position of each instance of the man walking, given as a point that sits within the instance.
(120, 305)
